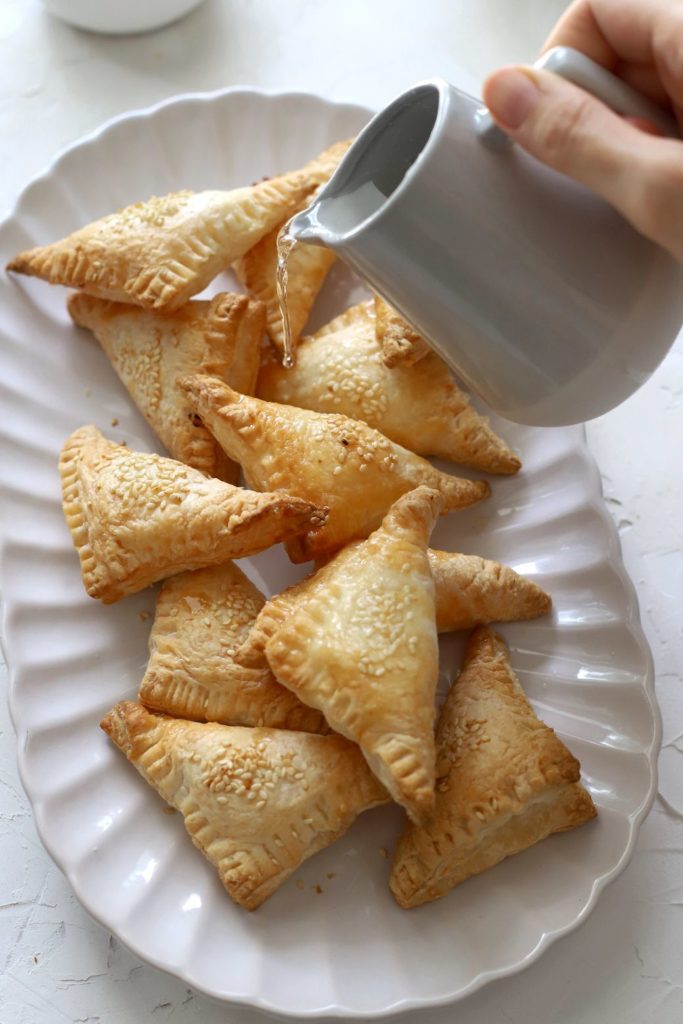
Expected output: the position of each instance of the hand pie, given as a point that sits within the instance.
(418, 406)
(353, 469)
(251, 652)
(159, 253)
(470, 591)
(136, 518)
(400, 343)
(256, 802)
(149, 351)
(307, 268)
(362, 648)
(201, 617)
(473, 591)
(504, 781)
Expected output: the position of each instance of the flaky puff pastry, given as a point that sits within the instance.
(419, 406)
(159, 253)
(362, 648)
(307, 268)
(256, 802)
(150, 351)
(353, 469)
(473, 591)
(400, 343)
(201, 618)
(504, 781)
(274, 613)
(136, 518)
(470, 591)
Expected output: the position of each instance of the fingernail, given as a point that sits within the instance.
(511, 95)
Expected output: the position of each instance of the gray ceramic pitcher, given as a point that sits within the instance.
(535, 291)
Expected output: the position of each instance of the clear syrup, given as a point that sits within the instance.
(349, 210)
(286, 244)
(339, 215)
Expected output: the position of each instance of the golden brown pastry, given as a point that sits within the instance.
(201, 618)
(418, 406)
(504, 781)
(470, 591)
(353, 469)
(251, 651)
(136, 518)
(399, 342)
(256, 802)
(307, 268)
(159, 253)
(473, 591)
(362, 648)
(149, 351)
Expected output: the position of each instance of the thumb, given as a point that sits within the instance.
(574, 133)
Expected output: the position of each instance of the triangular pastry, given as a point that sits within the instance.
(473, 591)
(504, 781)
(136, 518)
(418, 406)
(362, 648)
(353, 469)
(256, 802)
(149, 351)
(307, 268)
(159, 253)
(251, 651)
(470, 591)
(400, 342)
(201, 618)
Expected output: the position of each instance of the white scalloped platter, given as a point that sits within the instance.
(348, 950)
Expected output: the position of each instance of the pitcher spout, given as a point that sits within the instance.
(305, 227)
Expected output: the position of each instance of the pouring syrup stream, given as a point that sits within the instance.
(286, 245)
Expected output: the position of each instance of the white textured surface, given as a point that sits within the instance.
(624, 963)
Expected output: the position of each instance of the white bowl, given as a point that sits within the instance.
(120, 17)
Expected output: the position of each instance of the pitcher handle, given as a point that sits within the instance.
(576, 67)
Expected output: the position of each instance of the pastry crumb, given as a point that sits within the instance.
(317, 889)
(143, 616)
(331, 874)
(383, 852)
(169, 810)
(115, 421)
(35, 958)
(300, 884)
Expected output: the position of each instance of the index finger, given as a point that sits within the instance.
(640, 41)
(579, 28)
(631, 31)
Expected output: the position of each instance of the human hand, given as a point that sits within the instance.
(621, 159)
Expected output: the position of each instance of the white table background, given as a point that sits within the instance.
(625, 964)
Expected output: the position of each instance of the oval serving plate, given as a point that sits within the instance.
(348, 950)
